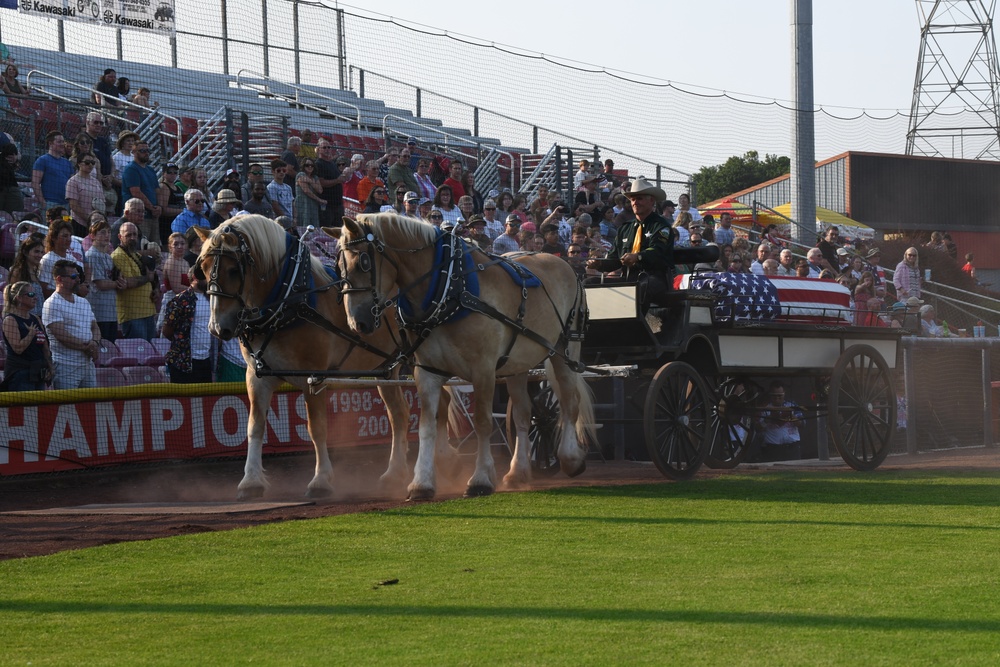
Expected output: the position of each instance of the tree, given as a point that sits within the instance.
(738, 173)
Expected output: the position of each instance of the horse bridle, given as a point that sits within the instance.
(366, 263)
(243, 259)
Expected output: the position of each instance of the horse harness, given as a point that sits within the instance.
(453, 299)
(290, 303)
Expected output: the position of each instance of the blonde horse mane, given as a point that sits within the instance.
(405, 232)
(267, 242)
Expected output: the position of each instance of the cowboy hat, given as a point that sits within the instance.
(873, 252)
(641, 186)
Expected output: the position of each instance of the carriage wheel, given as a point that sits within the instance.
(732, 426)
(862, 407)
(543, 430)
(676, 419)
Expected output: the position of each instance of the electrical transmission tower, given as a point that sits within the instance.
(956, 110)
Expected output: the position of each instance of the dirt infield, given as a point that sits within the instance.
(159, 501)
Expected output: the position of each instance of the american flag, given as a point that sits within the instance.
(744, 296)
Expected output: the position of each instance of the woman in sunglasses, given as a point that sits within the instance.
(307, 195)
(84, 192)
(377, 198)
(29, 361)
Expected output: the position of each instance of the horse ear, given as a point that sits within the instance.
(203, 233)
(352, 227)
(332, 231)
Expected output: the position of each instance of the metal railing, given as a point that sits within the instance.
(297, 97)
(144, 112)
(210, 147)
(419, 92)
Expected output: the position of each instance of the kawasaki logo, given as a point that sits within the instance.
(35, 6)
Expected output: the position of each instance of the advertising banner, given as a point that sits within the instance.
(148, 15)
(68, 436)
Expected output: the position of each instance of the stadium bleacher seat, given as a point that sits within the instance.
(110, 377)
(137, 352)
(162, 345)
(122, 359)
(143, 375)
(107, 352)
(8, 243)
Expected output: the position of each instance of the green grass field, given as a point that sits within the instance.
(819, 568)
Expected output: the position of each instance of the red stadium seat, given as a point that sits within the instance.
(110, 377)
(161, 345)
(137, 352)
(143, 375)
(189, 126)
(107, 352)
(373, 144)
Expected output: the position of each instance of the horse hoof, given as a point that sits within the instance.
(319, 492)
(515, 483)
(250, 493)
(478, 491)
(416, 495)
(578, 471)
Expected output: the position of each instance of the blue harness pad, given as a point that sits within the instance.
(281, 283)
(442, 259)
(520, 274)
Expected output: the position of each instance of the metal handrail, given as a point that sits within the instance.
(516, 120)
(298, 89)
(92, 91)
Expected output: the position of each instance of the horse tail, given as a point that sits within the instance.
(586, 429)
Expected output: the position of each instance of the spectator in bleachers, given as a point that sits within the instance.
(802, 269)
(103, 283)
(26, 268)
(410, 202)
(425, 185)
(354, 180)
(11, 198)
(445, 204)
(539, 208)
(254, 176)
(736, 264)
(928, 324)
(194, 243)
(332, 174)
(307, 149)
(969, 268)
(724, 230)
(509, 241)
(424, 207)
(124, 87)
(399, 203)
(828, 246)
(75, 336)
(872, 259)
(135, 302)
(185, 178)
(139, 181)
(231, 181)
(191, 216)
(763, 253)
(280, 192)
(84, 193)
(465, 205)
(401, 175)
(454, 180)
(370, 180)
(50, 173)
(201, 182)
(553, 246)
(494, 227)
(260, 205)
(290, 156)
(227, 206)
(170, 198)
(684, 206)
(28, 366)
(58, 244)
(469, 184)
(504, 202)
(681, 229)
(141, 98)
(97, 130)
(9, 83)
(907, 278)
(582, 175)
(786, 263)
(108, 96)
(175, 266)
(83, 143)
(122, 157)
(817, 263)
(377, 198)
(308, 201)
(385, 163)
(186, 325)
(770, 267)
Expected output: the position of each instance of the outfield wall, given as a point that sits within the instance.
(68, 430)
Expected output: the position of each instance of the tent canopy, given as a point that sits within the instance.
(825, 218)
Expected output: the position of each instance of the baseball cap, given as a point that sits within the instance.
(171, 165)
(411, 142)
(493, 194)
(476, 220)
(424, 200)
(513, 220)
(358, 156)
(231, 172)
(841, 251)
(410, 196)
(670, 204)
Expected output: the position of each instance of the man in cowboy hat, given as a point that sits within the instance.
(644, 247)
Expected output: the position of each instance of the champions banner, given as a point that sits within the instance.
(72, 435)
(148, 15)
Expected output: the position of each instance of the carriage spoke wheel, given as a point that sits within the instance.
(731, 425)
(862, 407)
(543, 430)
(676, 418)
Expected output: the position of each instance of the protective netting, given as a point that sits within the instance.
(521, 98)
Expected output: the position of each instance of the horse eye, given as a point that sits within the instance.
(233, 273)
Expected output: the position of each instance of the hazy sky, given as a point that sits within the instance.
(865, 51)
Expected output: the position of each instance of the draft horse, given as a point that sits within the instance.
(475, 316)
(265, 288)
